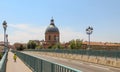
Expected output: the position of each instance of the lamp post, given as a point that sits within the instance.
(5, 27)
(89, 31)
(7, 40)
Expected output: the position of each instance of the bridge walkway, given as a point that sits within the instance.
(17, 66)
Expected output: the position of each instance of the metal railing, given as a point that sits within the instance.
(42, 65)
(3, 62)
(101, 53)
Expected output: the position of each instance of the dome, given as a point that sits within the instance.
(52, 27)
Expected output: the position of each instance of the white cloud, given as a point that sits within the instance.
(19, 26)
(25, 32)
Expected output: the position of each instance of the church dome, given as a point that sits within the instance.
(52, 27)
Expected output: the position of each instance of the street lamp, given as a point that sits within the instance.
(5, 27)
(89, 31)
(7, 40)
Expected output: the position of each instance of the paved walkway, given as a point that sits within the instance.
(17, 66)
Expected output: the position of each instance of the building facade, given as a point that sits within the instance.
(52, 35)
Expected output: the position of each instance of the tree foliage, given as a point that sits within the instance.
(0, 55)
(75, 44)
(57, 46)
(39, 47)
(19, 46)
(31, 45)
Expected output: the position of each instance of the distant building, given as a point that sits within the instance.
(102, 45)
(2, 46)
(52, 35)
(96, 45)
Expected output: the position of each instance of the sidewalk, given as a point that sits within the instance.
(17, 66)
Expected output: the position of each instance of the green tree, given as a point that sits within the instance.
(50, 47)
(78, 43)
(21, 47)
(31, 45)
(75, 44)
(0, 55)
(72, 44)
(39, 47)
(57, 46)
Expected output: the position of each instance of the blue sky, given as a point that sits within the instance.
(28, 19)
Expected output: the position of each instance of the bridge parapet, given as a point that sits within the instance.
(101, 53)
(41, 65)
(110, 58)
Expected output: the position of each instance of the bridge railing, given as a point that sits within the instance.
(41, 65)
(102, 53)
(3, 62)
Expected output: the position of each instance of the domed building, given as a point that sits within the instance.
(52, 34)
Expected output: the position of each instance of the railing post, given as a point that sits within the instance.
(52, 68)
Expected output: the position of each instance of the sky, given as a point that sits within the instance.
(28, 19)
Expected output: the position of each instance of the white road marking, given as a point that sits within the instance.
(99, 67)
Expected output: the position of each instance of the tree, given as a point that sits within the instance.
(75, 44)
(19, 46)
(78, 43)
(72, 44)
(31, 45)
(0, 56)
(57, 46)
(39, 47)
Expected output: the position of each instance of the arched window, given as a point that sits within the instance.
(49, 37)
